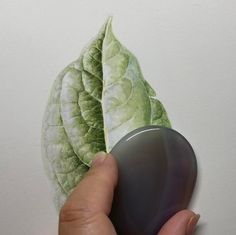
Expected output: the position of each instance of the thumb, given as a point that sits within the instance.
(87, 208)
(182, 223)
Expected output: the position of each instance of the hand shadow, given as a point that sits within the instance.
(200, 229)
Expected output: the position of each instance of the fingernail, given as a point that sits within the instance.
(192, 224)
(99, 158)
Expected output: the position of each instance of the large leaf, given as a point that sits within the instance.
(94, 102)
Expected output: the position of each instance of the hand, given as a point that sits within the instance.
(87, 208)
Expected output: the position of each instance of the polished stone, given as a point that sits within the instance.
(157, 173)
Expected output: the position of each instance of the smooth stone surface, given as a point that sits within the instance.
(157, 173)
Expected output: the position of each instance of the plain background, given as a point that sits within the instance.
(187, 51)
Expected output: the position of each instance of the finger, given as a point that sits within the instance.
(95, 192)
(91, 201)
(182, 223)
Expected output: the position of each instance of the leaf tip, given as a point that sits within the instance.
(109, 19)
(108, 24)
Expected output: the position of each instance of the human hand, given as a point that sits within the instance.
(87, 209)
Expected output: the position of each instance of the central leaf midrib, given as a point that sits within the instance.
(108, 22)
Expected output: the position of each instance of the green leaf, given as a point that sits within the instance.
(94, 102)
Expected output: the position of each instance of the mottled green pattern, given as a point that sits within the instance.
(62, 164)
(93, 103)
(126, 95)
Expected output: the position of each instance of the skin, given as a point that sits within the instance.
(87, 208)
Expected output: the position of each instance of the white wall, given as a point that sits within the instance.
(187, 51)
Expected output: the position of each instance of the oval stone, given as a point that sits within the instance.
(157, 173)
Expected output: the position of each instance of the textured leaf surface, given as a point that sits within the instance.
(94, 102)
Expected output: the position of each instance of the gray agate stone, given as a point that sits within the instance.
(157, 173)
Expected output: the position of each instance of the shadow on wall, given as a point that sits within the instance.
(201, 227)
